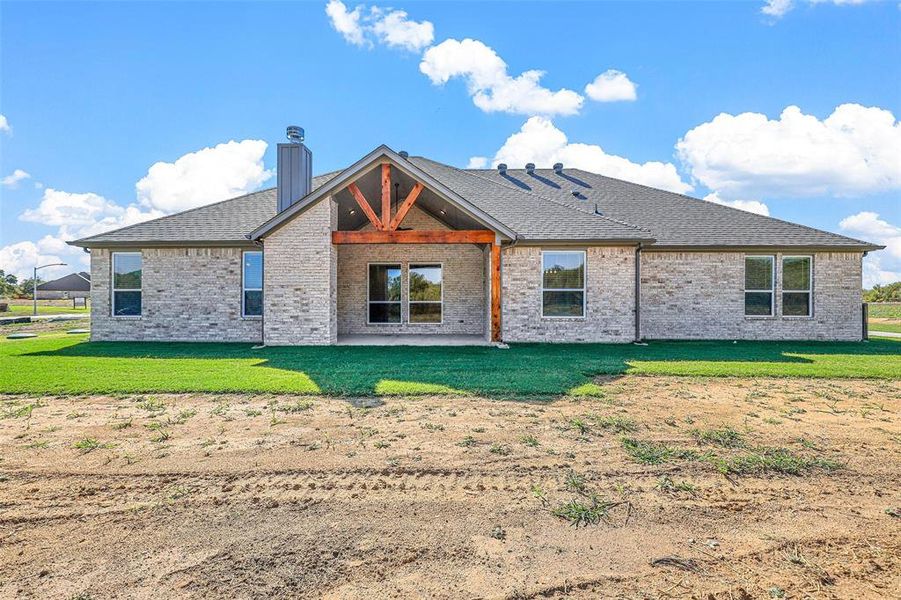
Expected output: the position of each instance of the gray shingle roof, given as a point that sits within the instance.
(531, 216)
(73, 282)
(672, 219)
(537, 207)
(226, 222)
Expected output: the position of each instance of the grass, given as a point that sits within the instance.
(655, 453)
(725, 437)
(876, 327)
(761, 461)
(668, 484)
(88, 444)
(884, 310)
(23, 310)
(878, 313)
(68, 364)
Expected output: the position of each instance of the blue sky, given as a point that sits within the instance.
(95, 94)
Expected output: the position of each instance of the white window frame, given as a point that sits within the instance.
(399, 302)
(114, 289)
(410, 266)
(584, 288)
(808, 291)
(245, 289)
(771, 291)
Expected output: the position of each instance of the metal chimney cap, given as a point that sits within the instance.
(558, 168)
(530, 168)
(502, 168)
(295, 134)
(404, 154)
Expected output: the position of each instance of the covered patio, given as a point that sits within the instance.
(415, 266)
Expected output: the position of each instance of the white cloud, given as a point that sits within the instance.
(883, 266)
(386, 26)
(394, 29)
(130, 215)
(754, 206)
(491, 87)
(65, 209)
(611, 86)
(4, 125)
(778, 8)
(20, 258)
(204, 176)
(13, 179)
(477, 162)
(345, 22)
(195, 179)
(75, 216)
(854, 151)
(540, 142)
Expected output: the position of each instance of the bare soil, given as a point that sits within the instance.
(452, 497)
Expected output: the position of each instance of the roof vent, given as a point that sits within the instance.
(530, 168)
(295, 134)
(502, 168)
(578, 194)
(558, 168)
(404, 154)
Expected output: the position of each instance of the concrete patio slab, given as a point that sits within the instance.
(412, 340)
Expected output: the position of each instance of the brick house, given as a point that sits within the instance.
(397, 247)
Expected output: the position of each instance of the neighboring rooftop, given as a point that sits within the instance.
(543, 205)
(73, 282)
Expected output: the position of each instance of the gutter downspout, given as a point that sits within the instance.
(638, 293)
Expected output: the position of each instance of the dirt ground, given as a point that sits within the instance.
(446, 497)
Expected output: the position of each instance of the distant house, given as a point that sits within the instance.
(404, 246)
(71, 286)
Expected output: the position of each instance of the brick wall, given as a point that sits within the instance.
(700, 295)
(189, 294)
(299, 271)
(463, 282)
(609, 304)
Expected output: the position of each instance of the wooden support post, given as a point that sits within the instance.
(495, 292)
(386, 195)
(364, 206)
(405, 207)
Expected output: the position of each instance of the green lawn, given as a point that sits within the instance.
(875, 328)
(887, 310)
(19, 310)
(68, 364)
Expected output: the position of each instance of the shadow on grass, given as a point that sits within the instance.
(525, 370)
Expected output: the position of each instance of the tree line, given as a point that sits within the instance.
(12, 287)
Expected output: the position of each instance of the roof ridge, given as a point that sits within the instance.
(726, 207)
(531, 193)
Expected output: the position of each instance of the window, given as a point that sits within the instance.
(796, 288)
(759, 286)
(425, 298)
(384, 293)
(126, 284)
(563, 284)
(252, 301)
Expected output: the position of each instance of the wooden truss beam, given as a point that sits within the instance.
(405, 207)
(364, 206)
(386, 195)
(460, 236)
